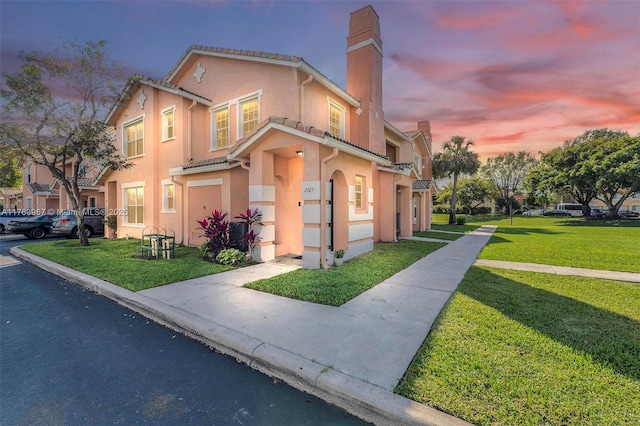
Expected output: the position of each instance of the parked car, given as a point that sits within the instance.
(598, 213)
(627, 214)
(7, 216)
(536, 212)
(32, 227)
(556, 213)
(66, 224)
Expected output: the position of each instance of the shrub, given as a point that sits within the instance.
(230, 256)
(216, 229)
(461, 220)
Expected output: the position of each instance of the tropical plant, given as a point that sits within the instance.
(455, 159)
(252, 237)
(339, 254)
(230, 256)
(216, 231)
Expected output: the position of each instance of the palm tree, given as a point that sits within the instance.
(455, 159)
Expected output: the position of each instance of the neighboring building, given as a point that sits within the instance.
(11, 198)
(213, 135)
(41, 193)
(632, 203)
(38, 195)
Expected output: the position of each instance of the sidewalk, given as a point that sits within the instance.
(352, 356)
(561, 270)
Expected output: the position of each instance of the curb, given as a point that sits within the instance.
(364, 400)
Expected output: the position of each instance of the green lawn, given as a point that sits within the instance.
(118, 262)
(438, 235)
(336, 286)
(611, 245)
(528, 348)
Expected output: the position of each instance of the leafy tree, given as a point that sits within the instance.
(10, 175)
(508, 172)
(53, 110)
(473, 192)
(455, 159)
(616, 164)
(578, 168)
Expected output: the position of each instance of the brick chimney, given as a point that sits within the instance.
(425, 126)
(364, 79)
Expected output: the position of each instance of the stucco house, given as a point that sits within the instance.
(40, 193)
(228, 129)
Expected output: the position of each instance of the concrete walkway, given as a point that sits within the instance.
(352, 356)
(561, 270)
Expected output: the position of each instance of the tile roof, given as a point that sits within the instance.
(421, 184)
(41, 187)
(412, 134)
(11, 191)
(166, 85)
(313, 131)
(207, 162)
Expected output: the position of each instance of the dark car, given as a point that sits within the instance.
(7, 216)
(66, 224)
(627, 214)
(556, 213)
(32, 227)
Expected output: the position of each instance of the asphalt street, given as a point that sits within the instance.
(69, 356)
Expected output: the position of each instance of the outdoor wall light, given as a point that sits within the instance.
(300, 153)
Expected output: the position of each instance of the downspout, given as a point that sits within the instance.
(323, 207)
(304, 83)
(184, 198)
(189, 142)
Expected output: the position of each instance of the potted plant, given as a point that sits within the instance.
(339, 257)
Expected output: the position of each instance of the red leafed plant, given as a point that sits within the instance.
(216, 230)
(252, 237)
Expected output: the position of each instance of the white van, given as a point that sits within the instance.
(573, 209)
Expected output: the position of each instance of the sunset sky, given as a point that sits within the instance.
(511, 75)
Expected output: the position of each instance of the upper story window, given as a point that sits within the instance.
(27, 173)
(359, 192)
(417, 160)
(391, 152)
(168, 129)
(336, 119)
(249, 116)
(134, 138)
(220, 128)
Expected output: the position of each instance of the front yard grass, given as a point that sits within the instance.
(517, 347)
(337, 286)
(118, 262)
(439, 235)
(608, 245)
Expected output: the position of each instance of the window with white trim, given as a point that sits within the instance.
(134, 138)
(248, 116)
(336, 119)
(220, 128)
(417, 161)
(168, 124)
(134, 204)
(28, 173)
(359, 192)
(168, 196)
